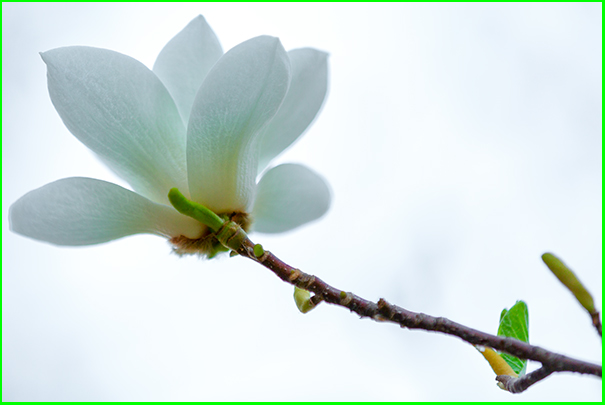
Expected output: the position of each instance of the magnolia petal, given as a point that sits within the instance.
(185, 61)
(119, 109)
(305, 98)
(289, 196)
(83, 211)
(242, 92)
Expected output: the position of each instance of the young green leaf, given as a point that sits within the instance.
(514, 323)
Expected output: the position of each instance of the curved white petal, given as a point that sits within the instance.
(82, 211)
(185, 61)
(119, 109)
(241, 93)
(305, 97)
(289, 196)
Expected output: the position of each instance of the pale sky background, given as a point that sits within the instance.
(460, 141)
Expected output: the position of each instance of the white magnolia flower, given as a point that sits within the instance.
(201, 121)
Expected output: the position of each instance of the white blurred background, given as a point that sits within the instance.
(461, 142)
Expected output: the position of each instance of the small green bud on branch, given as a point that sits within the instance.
(571, 281)
(303, 300)
(258, 251)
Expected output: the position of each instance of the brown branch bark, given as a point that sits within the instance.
(383, 311)
(518, 385)
(596, 321)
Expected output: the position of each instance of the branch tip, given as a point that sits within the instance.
(516, 385)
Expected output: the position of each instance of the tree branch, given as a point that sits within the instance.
(383, 311)
(596, 321)
(517, 385)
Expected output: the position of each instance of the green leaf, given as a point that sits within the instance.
(514, 323)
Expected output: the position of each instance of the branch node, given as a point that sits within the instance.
(345, 298)
(316, 299)
(307, 284)
(516, 385)
(259, 253)
(380, 318)
(505, 382)
(294, 274)
(383, 305)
